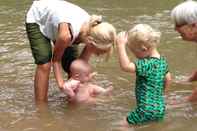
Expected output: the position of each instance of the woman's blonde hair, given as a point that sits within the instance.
(102, 34)
(143, 36)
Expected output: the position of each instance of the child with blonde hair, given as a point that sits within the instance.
(151, 69)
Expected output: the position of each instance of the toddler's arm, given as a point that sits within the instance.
(168, 80)
(125, 63)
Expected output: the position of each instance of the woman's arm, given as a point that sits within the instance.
(125, 63)
(193, 77)
(87, 52)
(62, 42)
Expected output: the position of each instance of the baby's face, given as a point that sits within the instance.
(84, 77)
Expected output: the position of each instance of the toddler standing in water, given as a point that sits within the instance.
(151, 69)
(79, 85)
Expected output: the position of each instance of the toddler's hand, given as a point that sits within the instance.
(121, 38)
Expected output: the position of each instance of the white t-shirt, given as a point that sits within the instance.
(49, 13)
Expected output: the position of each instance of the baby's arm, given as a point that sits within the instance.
(168, 80)
(97, 90)
(125, 63)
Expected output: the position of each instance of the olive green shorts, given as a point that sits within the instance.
(42, 49)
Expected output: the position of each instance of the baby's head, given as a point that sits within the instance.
(142, 39)
(80, 70)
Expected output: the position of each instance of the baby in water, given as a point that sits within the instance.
(79, 87)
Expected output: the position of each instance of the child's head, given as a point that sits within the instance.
(101, 35)
(142, 38)
(80, 70)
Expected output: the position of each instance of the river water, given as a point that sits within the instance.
(18, 111)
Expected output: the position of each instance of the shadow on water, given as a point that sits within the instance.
(17, 109)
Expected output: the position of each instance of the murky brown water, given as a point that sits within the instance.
(17, 109)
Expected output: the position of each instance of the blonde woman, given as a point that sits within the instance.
(151, 69)
(184, 16)
(65, 25)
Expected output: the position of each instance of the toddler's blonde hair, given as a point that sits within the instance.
(143, 36)
(102, 34)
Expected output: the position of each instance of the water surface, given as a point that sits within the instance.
(17, 109)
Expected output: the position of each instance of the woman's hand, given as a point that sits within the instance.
(70, 86)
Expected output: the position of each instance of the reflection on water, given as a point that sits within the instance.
(17, 109)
